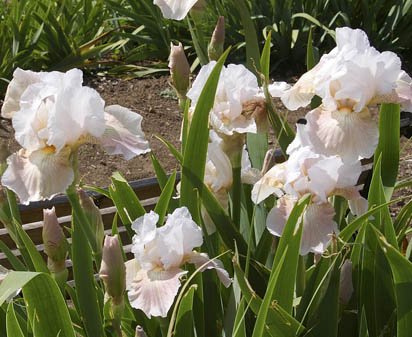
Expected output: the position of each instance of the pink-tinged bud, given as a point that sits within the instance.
(55, 243)
(216, 45)
(179, 69)
(95, 218)
(346, 285)
(112, 270)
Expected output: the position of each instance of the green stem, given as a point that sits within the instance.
(236, 160)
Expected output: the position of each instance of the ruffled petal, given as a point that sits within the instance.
(278, 215)
(178, 237)
(77, 112)
(21, 80)
(271, 183)
(123, 134)
(152, 291)
(349, 135)
(38, 175)
(318, 227)
(301, 93)
(277, 89)
(175, 9)
(203, 260)
(404, 91)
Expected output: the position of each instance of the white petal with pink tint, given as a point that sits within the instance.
(271, 183)
(278, 215)
(123, 134)
(152, 291)
(38, 175)
(175, 9)
(21, 80)
(203, 260)
(237, 85)
(404, 91)
(318, 228)
(318, 224)
(178, 237)
(347, 134)
(77, 112)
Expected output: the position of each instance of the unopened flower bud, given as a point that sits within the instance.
(112, 270)
(55, 243)
(346, 285)
(95, 218)
(216, 45)
(179, 69)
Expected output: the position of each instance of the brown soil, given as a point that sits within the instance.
(155, 101)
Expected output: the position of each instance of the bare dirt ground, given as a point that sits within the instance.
(154, 100)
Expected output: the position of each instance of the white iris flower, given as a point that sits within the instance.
(350, 79)
(52, 115)
(153, 276)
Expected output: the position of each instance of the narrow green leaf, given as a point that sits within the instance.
(184, 319)
(12, 324)
(196, 148)
(35, 256)
(166, 195)
(86, 289)
(310, 55)
(239, 327)
(284, 282)
(127, 204)
(265, 57)
(257, 144)
(160, 172)
(278, 322)
(47, 310)
(352, 227)
(260, 325)
(375, 292)
(388, 146)
(402, 282)
(251, 39)
(363, 328)
(376, 196)
(14, 261)
(329, 307)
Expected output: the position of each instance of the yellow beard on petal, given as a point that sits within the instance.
(49, 149)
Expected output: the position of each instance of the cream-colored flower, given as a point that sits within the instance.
(237, 86)
(52, 115)
(350, 79)
(153, 276)
(175, 9)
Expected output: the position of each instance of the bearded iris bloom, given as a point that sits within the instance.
(322, 177)
(350, 80)
(52, 115)
(153, 276)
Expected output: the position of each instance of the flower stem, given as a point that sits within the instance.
(236, 160)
